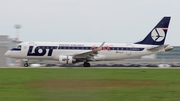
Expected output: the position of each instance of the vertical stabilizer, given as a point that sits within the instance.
(158, 34)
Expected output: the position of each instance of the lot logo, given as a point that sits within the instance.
(41, 50)
(158, 34)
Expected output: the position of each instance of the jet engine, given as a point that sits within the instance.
(66, 59)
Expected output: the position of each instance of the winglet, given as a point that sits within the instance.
(100, 47)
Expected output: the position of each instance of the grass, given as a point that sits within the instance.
(87, 84)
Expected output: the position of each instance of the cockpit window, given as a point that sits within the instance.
(16, 48)
(19, 46)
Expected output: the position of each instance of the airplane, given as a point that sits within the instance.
(74, 52)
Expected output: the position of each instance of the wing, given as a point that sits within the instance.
(88, 55)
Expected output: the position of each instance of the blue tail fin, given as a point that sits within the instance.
(158, 34)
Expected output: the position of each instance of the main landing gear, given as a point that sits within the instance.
(86, 64)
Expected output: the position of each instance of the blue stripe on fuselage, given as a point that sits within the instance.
(91, 48)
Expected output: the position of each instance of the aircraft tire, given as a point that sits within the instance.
(26, 65)
(86, 64)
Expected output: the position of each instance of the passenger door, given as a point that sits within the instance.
(128, 49)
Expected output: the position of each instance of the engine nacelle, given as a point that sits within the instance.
(66, 59)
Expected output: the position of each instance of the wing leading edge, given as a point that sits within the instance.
(90, 54)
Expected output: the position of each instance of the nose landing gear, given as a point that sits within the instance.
(25, 63)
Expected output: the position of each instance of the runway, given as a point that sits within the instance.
(102, 67)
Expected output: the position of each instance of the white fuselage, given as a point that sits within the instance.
(52, 50)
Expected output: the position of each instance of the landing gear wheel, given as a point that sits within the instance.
(86, 64)
(26, 65)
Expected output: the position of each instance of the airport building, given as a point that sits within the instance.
(170, 55)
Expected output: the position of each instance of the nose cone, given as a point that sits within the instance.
(7, 54)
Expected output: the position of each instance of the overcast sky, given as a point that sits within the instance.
(88, 20)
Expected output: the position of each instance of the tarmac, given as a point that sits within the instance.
(102, 67)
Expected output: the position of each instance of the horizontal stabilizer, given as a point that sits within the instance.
(165, 47)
